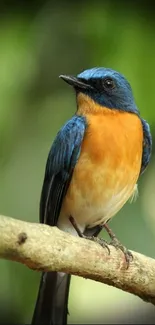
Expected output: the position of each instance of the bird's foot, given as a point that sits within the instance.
(117, 244)
(127, 254)
(100, 241)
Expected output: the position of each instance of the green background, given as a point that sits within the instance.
(40, 40)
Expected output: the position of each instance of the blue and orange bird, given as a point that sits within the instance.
(92, 170)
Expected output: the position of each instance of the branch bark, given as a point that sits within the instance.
(45, 248)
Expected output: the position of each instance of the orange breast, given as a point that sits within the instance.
(108, 167)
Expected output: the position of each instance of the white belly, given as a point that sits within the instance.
(88, 214)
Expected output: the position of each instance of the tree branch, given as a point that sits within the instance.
(45, 248)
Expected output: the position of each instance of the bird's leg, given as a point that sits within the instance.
(100, 241)
(75, 226)
(98, 229)
(117, 244)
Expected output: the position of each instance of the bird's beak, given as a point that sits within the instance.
(75, 82)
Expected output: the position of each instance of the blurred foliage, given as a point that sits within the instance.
(38, 41)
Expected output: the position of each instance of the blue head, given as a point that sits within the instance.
(106, 87)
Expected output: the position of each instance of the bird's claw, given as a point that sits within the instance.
(127, 254)
(117, 244)
(100, 241)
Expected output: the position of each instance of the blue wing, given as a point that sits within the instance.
(147, 145)
(60, 164)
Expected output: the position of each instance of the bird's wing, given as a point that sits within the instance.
(147, 145)
(60, 164)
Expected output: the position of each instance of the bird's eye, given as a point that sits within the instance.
(108, 83)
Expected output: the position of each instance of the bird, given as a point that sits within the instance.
(92, 170)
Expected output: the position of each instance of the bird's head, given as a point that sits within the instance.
(105, 87)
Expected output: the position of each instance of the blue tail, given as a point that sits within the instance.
(51, 306)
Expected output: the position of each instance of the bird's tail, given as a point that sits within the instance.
(51, 306)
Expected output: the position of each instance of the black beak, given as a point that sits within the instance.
(75, 82)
